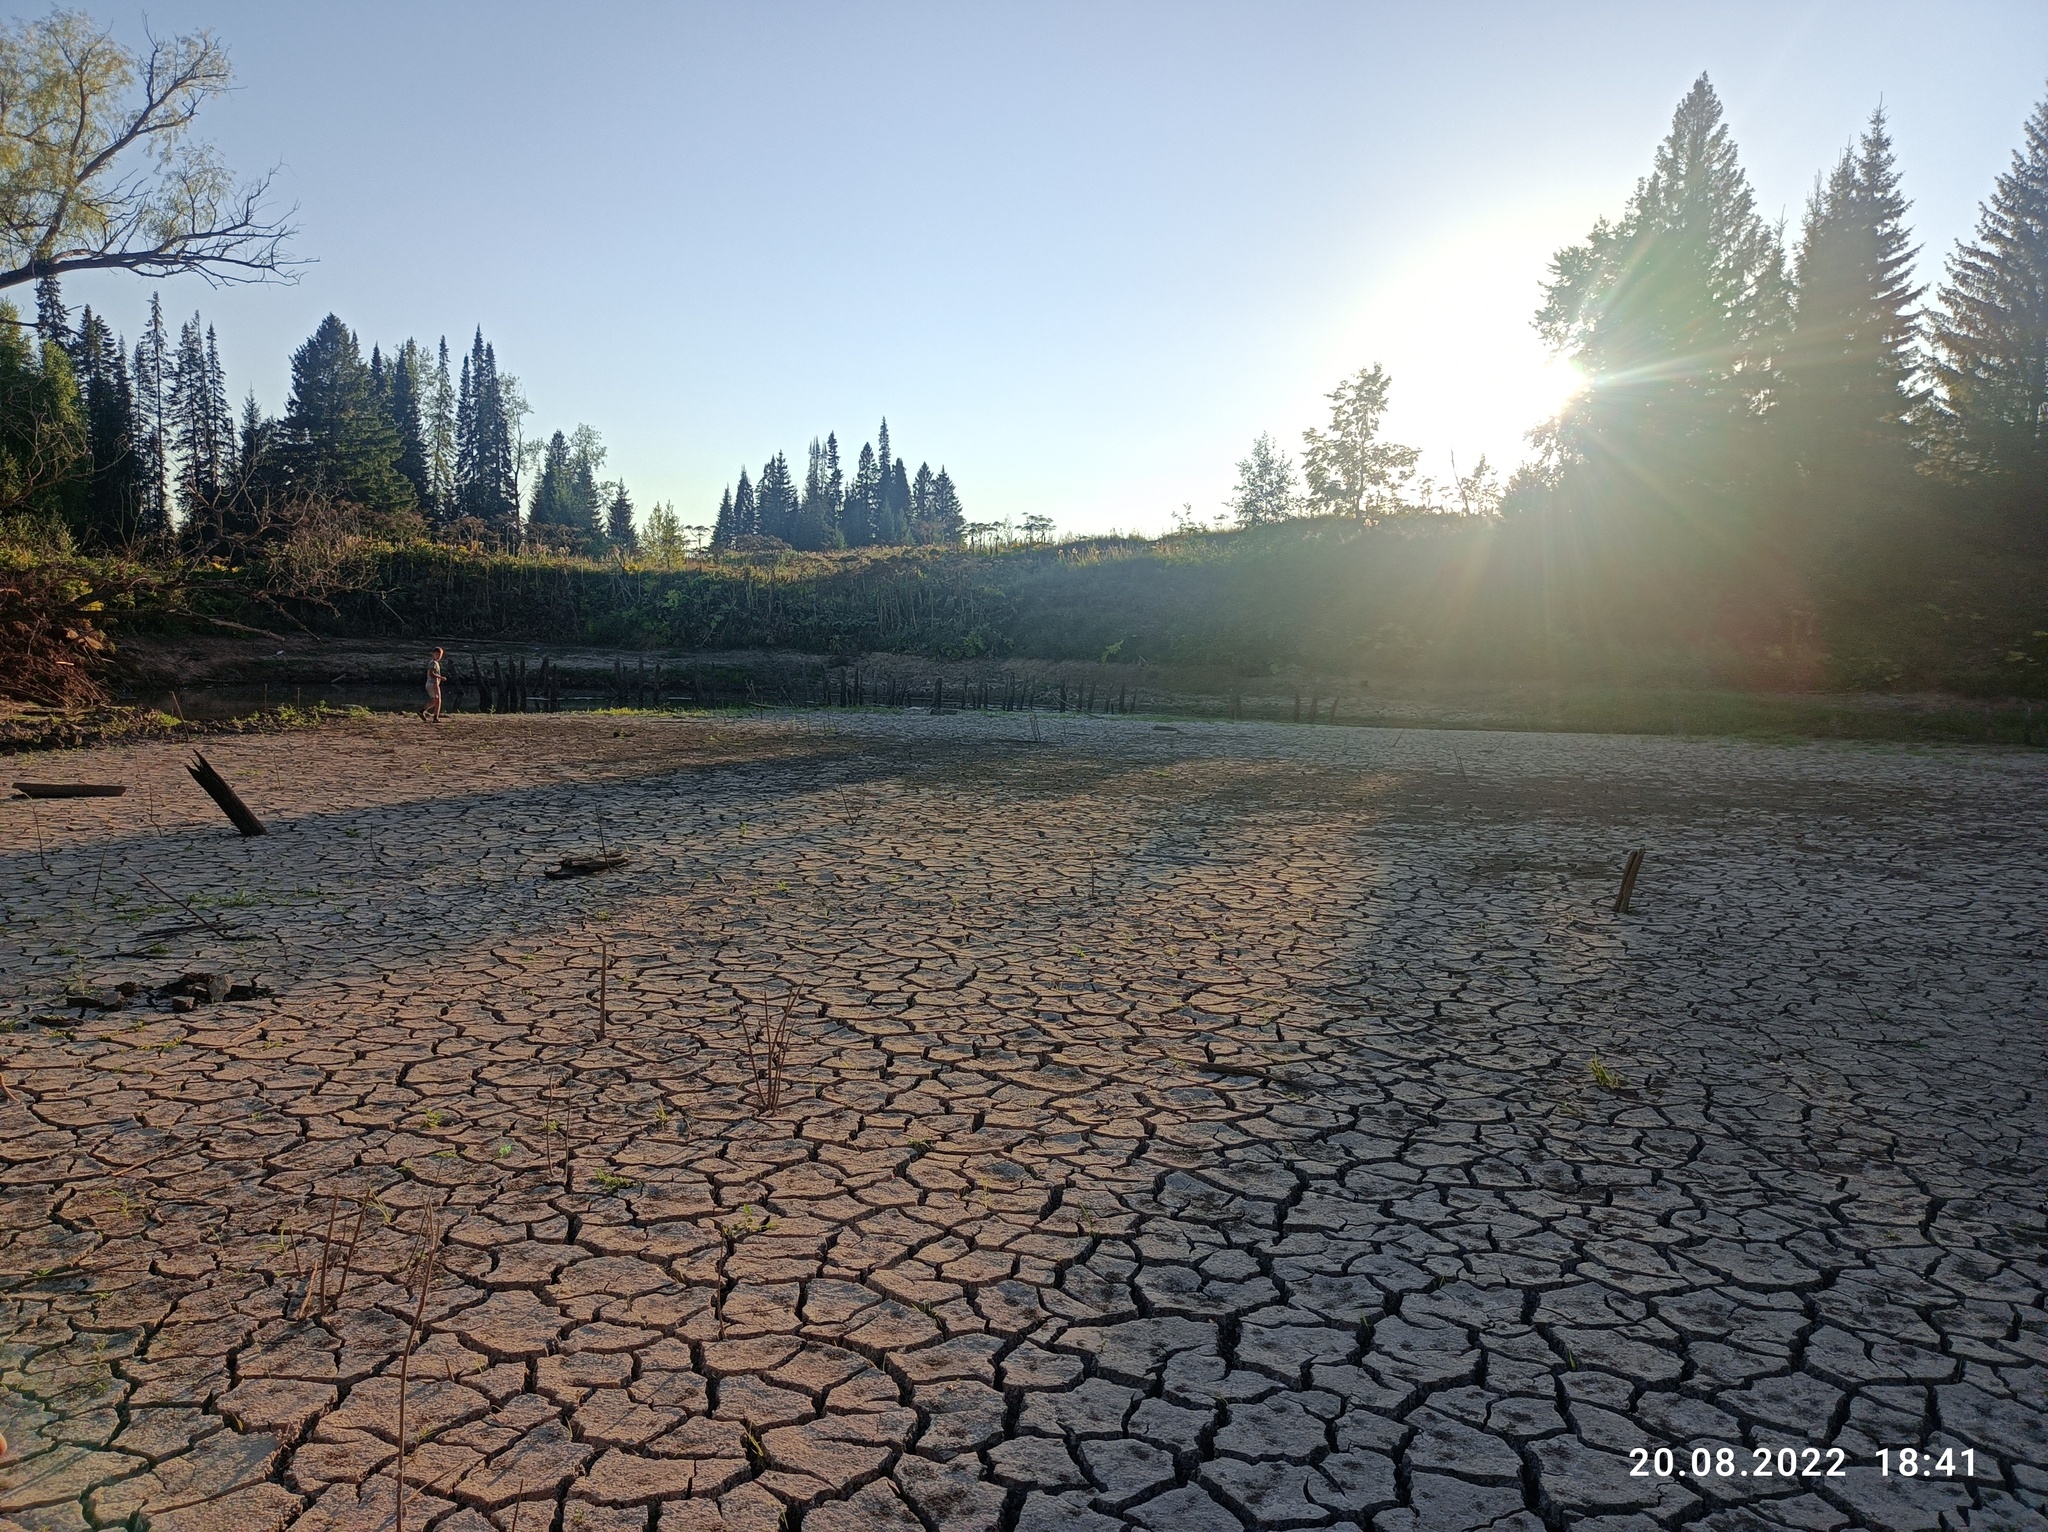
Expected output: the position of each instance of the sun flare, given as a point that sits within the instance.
(1552, 387)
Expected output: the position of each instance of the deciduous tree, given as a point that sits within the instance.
(101, 171)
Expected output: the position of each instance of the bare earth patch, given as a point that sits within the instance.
(1188, 1128)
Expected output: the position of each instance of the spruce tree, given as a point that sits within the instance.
(1990, 335)
(336, 437)
(1677, 317)
(552, 506)
(1849, 369)
(150, 378)
(486, 467)
(947, 520)
(722, 533)
(201, 429)
(437, 423)
(406, 383)
(921, 504)
(586, 501)
(746, 509)
(895, 527)
(861, 517)
(53, 319)
(256, 465)
(775, 500)
(815, 522)
(111, 508)
(618, 521)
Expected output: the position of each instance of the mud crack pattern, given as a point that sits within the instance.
(1188, 1129)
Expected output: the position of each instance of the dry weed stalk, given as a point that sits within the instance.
(317, 1300)
(767, 1048)
(423, 1262)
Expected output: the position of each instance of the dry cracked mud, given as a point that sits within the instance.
(1183, 1128)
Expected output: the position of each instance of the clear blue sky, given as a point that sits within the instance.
(1080, 253)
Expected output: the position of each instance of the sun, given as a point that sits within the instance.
(1550, 388)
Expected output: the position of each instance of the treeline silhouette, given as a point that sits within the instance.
(1790, 466)
(137, 450)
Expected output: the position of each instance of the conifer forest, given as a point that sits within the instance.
(1791, 465)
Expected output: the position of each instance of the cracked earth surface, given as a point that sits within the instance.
(1187, 1129)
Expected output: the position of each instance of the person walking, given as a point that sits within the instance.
(432, 711)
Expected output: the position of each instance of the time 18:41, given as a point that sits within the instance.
(1912, 1463)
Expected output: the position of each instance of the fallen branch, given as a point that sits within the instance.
(219, 930)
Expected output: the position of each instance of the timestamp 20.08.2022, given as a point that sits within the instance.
(1796, 1463)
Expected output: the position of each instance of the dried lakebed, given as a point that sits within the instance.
(1196, 1128)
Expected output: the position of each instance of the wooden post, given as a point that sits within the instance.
(1628, 880)
(218, 790)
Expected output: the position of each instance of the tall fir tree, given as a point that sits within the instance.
(746, 508)
(202, 431)
(618, 522)
(486, 465)
(948, 520)
(438, 425)
(1851, 363)
(586, 456)
(152, 383)
(861, 518)
(336, 437)
(722, 533)
(921, 503)
(53, 319)
(816, 524)
(553, 504)
(111, 509)
(1677, 317)
(256, 468)
(403, 393)
(775, 498)
(1990, 340)
(896, 507)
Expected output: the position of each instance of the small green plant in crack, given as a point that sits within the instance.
(434, 1118)
(751, 1220)
(503, 1151)
(920, 1147)
(1603, 1077)
(609, 1181)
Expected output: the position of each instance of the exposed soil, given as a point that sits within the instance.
(1190, 1127)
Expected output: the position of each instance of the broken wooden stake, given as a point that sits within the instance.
(1628, 880)
(218, 790)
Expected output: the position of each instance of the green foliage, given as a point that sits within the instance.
(43, 440)
(1266, 487)
(1990, 337)
(337, 438)
(1677, 317)
(1351, 471)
